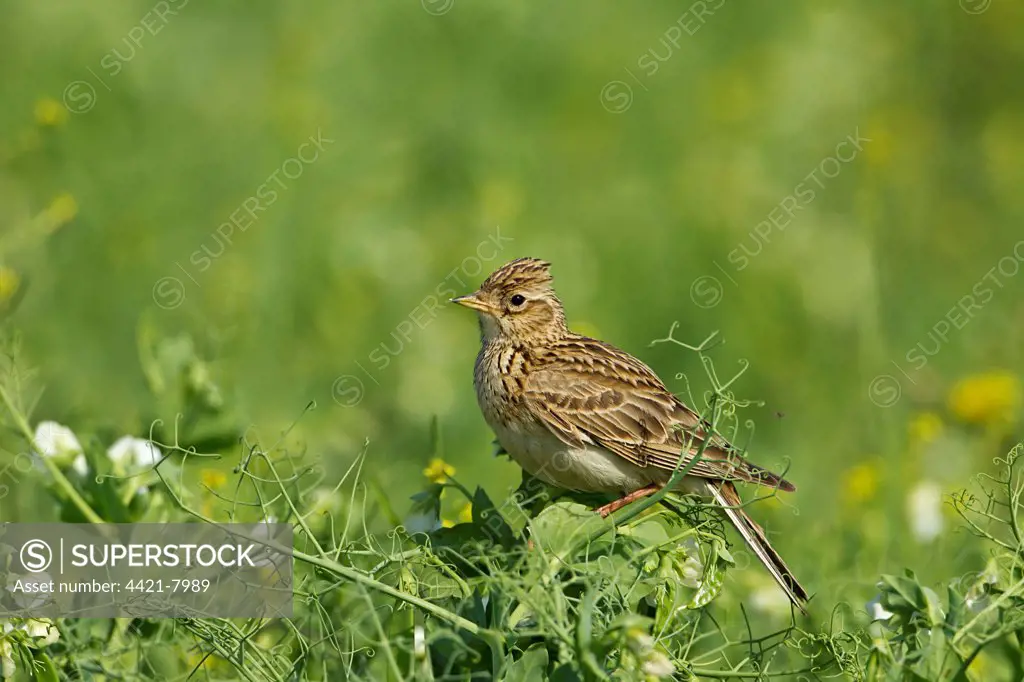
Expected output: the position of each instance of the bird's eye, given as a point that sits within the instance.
(517, 300)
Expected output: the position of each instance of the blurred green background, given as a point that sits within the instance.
(637, 147)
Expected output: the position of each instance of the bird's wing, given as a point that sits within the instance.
(586, 391)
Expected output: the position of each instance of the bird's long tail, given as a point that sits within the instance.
(726, 496)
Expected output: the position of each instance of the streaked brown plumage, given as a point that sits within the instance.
(583, 415)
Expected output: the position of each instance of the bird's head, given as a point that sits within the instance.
(517, 303)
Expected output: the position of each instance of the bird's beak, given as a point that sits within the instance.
(474, 302)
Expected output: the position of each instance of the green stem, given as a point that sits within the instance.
(220, 649)
(670, 542)
(58, 476)
(357, 577)
(1008, 594)
(583, 634)
(752, 674)
(353, 575)
(385, 644)
(291, 505)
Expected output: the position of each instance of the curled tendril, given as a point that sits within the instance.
(398, 532)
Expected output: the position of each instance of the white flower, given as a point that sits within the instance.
(653, 662)
(41, 627)
(692, 573)
(80, 465)
(876, 611)
(639, 641)
(924, 508)
(134, 453)
(658, 665)
(693, 567)
(56, 440)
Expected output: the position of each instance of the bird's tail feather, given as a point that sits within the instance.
(725, 495)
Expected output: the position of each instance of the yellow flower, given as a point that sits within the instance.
(9, 283)
(985, 399)
(50, 112)
(860, 483)
(438, 471)
(465, 515)
(62, 210)
(924, 428)
(213, 478)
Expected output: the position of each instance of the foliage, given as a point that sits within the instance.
(537, 587)
(981, 621)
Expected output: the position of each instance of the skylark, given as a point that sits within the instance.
(583, 415)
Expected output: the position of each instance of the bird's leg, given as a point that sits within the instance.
(619, 504)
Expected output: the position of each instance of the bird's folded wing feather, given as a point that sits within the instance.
(605, 397)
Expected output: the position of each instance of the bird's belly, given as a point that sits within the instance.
(587, 468)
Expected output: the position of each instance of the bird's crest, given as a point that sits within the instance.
(522, 273)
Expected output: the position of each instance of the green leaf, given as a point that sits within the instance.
(532, 665)
(616, 568)
(565, 673)
(44, 670)
(434, 584)
(561, 526)
(428, 502)
(905, 597)
(957, 609)
(650, 532)
(938, 655)
(459, 543)
(490, 521)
